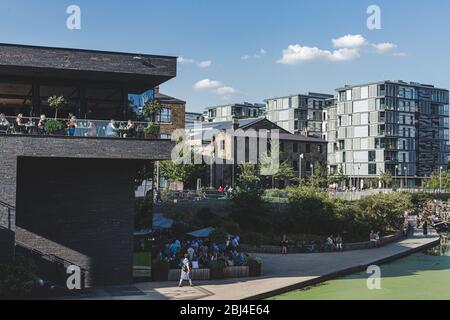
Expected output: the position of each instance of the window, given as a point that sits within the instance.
(372, 156)
(282, 147)
(295, 147)
(372, 168)
(308, 148)
(165, 115)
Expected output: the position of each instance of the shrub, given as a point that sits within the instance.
(152, 129)
(253, 238)
(143, 215)
(17, 278)
(218, 236)
(53, 127)
(217, 269)
(160, 270)
(205, 215)
(255, 266)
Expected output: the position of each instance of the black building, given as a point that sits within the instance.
(72, 197)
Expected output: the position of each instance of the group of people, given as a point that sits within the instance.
(374, 238)
(227, 191)
(333, 243)
(22, 125)
(200, 253)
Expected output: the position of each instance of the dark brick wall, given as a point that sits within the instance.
(84, 205)
(6, 245)
(75, 197)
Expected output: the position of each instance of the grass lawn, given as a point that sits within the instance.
(142, 259)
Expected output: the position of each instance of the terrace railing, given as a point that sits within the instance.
(85, 128)
(9, 209)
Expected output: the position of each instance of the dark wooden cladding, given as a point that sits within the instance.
(138, 71)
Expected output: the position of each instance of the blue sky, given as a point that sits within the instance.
(236, 47)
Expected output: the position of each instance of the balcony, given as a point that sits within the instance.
(85, 128)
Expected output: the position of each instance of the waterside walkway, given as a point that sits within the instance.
(281, 273)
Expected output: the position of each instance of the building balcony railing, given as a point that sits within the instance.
(81, 128)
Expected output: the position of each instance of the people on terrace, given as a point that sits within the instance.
(111, 130)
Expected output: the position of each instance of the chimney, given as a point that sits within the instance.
(235, 123)
(156, 90)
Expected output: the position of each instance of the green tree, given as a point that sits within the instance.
(151, 109)
(57, 102)
(186, 173)
(284, 173)
(385, 178)
(319, 177)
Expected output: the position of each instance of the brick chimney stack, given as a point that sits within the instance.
(235, 123)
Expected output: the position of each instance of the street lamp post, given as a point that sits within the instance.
(395, 176)
(359, 178)
(406, 179)
(211, 170)
(440, 179)
(302, 156)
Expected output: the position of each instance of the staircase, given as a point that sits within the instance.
(6, 233)
(52, 259)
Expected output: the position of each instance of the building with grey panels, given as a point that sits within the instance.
(391, 126)
(299, 113)
(237, 110)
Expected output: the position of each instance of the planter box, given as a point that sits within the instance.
(218, 274)
(160, 274)
(237, 272)
(197, 274)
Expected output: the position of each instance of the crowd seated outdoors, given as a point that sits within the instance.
(73, 127)
(202, 252)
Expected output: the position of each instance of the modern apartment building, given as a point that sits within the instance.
(191, 117)
(389, 126)
(238, 111)
(299, 113)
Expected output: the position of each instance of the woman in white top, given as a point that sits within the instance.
(185, 271)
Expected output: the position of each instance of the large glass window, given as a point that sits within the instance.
(165, 115)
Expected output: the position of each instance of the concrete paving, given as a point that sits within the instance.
(281, 273)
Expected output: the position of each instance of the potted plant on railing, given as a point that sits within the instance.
(160, 270)
(53, 127)
(217, 269)
(254, 267)
(152, 131)
(56, 102)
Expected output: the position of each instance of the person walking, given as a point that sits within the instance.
(425, 228)
(339, 243)
(284, 245)
(185, 271)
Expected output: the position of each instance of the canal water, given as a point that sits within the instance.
(421, 276)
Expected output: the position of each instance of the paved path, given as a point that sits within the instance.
(281, 273)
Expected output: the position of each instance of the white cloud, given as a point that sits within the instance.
(262, 52)
(350, 41)
(295, 54)
(384, 47)
(205, 64)
(399, 54)
(225, 90)
(183, 60)
(207, 84)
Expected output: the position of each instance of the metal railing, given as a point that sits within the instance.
(10, 209)
(87, 128)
